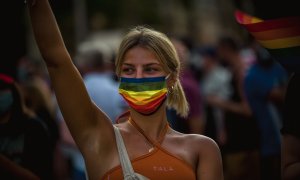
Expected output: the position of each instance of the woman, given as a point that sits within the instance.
(147, 62)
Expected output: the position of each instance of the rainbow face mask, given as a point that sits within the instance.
(144, 95)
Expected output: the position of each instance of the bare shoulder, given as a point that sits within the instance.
(205, 140)
(199, 146)
(197, 141)
(209, 164)
(203, 143)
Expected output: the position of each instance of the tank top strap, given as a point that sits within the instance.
(122, 116)
(161, 137)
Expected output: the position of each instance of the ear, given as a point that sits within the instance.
(171, 81)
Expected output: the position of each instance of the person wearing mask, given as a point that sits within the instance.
(144, 146)
(25, 150)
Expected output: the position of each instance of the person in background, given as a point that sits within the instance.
(265, 84)
(25, 148)
(194, 122)
(39, 98)
(242, 135)
(96, 67)
(282, 19)
(143, 147)
(215, 81)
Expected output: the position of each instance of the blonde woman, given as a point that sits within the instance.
(144, 146)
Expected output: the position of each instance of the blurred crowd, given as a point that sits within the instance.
(235, 92)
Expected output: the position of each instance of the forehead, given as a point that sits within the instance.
(140, 55)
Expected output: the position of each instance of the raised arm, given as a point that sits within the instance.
(81, 115)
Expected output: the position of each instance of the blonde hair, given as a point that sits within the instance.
(162, 47)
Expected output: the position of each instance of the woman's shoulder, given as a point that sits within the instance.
(197, 141)
(199, 150)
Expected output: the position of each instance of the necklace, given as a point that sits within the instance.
(150, 141)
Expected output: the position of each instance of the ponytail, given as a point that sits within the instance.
(177, 100)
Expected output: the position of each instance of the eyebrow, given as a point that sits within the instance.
(150, 64)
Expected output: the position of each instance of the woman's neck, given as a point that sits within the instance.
(153, 124)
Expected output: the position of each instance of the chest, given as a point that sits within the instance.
(138, 147)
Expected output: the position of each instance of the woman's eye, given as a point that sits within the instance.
(128, 70)
(151, 69)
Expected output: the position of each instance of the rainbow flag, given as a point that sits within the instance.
(144, 94)
(281, 37)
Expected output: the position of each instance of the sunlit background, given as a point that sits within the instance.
(80, 21)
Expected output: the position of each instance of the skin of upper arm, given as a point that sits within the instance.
(88, 125)
(79, 112)
(209, 160)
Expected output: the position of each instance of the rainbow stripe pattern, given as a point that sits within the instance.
(143, 94)
(281, 37)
